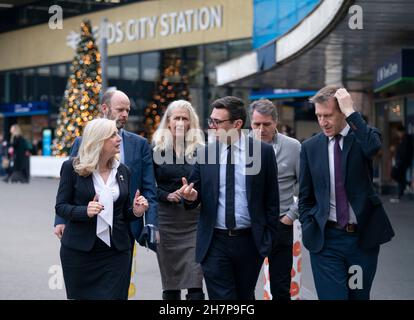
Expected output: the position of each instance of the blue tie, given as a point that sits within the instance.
(341, 200)
(122, 154)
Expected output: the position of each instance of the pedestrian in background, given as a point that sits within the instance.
(20, 157)
(176, 141)
(403, 161)
(4, 161)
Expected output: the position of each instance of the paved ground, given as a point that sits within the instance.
(29, 250)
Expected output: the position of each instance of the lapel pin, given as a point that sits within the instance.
(121, 177)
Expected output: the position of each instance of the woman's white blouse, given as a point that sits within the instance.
(107, 193)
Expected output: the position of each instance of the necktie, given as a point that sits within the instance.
(122, 153)
(341, 200)
(230, 212)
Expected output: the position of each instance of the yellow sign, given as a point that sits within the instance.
(137, 27)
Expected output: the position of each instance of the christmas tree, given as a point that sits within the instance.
(81, 99)
(172, 86)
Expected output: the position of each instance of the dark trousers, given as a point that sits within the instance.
(336, 263)
(280, 264)
(2, 170)
(231, 267)
(399, 175)
(402, 184)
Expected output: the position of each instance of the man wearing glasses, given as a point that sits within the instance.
(239, 204)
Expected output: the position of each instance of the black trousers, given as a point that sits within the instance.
(231, 267)
(399, 175)
(402, 184)
(280, 264)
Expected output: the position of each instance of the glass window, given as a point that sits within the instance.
(130, 67)
(239, 47)
(43, 71)
(196, 95)
(129, 82)
(43, 83)
(150, 64)
(389, 114)
(2, 87)
(193, 64)
(6, 87)
(29, 87)
(16, 86)
(58, 86)
(410, 115)
(215, 54)
(59, 70)
(145, 92)
(114, 71)
(214, 94)
(68, 69)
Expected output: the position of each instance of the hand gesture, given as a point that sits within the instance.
(58, 231)
(140, 204)
(94, 207)
(345, 101)
(187, 191)
(174, 196)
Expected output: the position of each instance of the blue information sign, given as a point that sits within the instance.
(24, 109)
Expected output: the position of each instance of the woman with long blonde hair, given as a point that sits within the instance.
(93, 197)
(176, 142)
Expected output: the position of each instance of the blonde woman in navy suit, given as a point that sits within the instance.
(93, 197)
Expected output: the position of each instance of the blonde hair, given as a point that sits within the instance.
(93, 139)
(17, 132)
(162, 139)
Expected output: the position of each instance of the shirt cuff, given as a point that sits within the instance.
(350, 114)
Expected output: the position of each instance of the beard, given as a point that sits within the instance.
(119, 124)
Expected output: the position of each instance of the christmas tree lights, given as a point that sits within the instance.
(81, 98)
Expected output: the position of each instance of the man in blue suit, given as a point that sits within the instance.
(135, 153)
(343, 220)
(235, 180)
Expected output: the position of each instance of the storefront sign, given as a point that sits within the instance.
(137, 27)
(167, 24)
(394, 69)
(24, 109)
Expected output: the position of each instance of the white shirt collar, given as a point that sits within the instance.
(344, 132)
(240, 144)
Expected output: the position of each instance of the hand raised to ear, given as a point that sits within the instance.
(346, 105)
